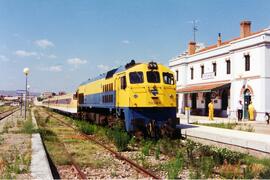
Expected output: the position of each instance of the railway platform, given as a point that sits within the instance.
(40, 168)
(251, 142)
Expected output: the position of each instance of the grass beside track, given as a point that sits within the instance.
(236, 126)
(92, 159)
(55, 135)
(173, 158)
(5, 108)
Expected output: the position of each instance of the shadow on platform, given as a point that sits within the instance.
(185, 126)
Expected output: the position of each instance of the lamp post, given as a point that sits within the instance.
(26, 72)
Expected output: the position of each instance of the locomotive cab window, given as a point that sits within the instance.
(136, 77)
(153, 77)
(123, 82)
(168, 78)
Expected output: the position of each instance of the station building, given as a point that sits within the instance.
(226, 72)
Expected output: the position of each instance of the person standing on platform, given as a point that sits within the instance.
(240, 111)
(251, 111)
(211, 110)
(267, 117)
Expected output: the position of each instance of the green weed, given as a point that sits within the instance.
(157, 152)
(121, 140)
(146, 147)
(174, 167)
(28, 127)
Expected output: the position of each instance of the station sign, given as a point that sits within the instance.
(209, 75)
(20, 92)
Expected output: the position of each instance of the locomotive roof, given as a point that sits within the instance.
(106, 75)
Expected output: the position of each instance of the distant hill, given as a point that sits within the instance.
(13, 93)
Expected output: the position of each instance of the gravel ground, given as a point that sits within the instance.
(116, 169)
(67, 172)
(15, 156)
(15, 149)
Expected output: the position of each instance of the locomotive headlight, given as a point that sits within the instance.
(135, 95)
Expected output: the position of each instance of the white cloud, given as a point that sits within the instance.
(126, 42)
(55, 68)
(52, 56)
(3, 58)
(76, 61)
(22, 53)
(103, 67)
(44, 43)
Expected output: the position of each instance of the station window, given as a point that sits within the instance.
(191, 73)
(136, 77)
(153, 77)
(202, 70)
(247, 62)
(215, 68)
(228, 65)
(123, 82)
(177, 74)
(168, 78)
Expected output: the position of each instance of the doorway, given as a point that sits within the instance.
(194, 101)
(224, 100)
(247, 100)
(207, 101)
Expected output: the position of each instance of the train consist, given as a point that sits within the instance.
(65, 103)
(141, 95)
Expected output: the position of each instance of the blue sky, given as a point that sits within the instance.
(66, 42)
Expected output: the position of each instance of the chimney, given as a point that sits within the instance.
(191, 47)
(245, 28)
(219, 39)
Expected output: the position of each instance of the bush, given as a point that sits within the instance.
(222, 154)
(190, 147)
(121, 139)
(146, 147)
(175, 166)
(207, 164)
(28, 127)
(87, 128)
(132, 142)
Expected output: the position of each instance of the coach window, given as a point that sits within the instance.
(123, 82)
(153, 77)
(168, 78)
(136, 77)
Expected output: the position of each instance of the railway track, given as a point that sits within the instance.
(74, 164)
(116, 154)
(7, 113)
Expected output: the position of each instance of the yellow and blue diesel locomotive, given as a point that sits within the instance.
(143, 95)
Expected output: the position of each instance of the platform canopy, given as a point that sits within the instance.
(203, 87)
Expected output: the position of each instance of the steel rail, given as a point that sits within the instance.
(116, 154)
(7, 113)
(74, 164)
